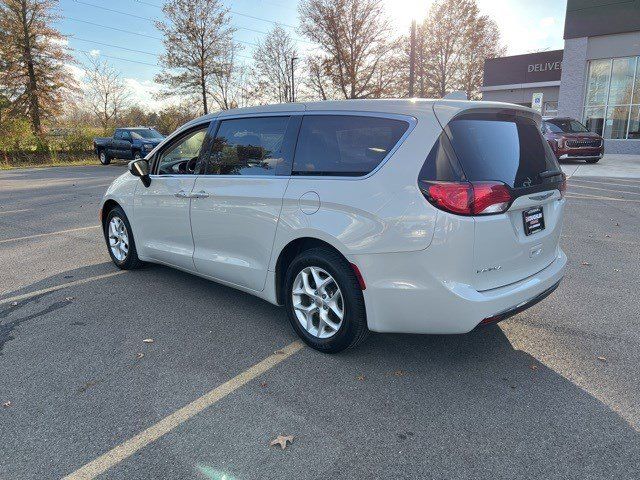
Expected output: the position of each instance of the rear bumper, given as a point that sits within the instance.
(429, 304)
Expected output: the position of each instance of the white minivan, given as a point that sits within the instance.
(415, 216)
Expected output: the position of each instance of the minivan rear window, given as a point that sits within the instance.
(345, 145)
(501, 147)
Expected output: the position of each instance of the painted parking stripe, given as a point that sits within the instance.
(584, 196)
(628, 185)
(5, 212)
(61, 232)
(125, 450)
(25, 296)
(573, 185)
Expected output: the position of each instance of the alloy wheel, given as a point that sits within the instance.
(318, 302)
(118, 239)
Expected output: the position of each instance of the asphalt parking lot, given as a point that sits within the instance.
(553, 392)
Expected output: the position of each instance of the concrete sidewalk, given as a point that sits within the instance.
(620, 166)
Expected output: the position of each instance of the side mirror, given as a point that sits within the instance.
(140, 168)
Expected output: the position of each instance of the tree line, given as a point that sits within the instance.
(355, 53)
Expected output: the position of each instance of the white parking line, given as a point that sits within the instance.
(60, 232)
(125, 450)
(24, 296)
(4, 212)
(605, 189)
(573, 180)
(584, 196)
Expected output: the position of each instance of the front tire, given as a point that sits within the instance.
(592, 160)
(103, 157)
(324, 301)
(120, 241)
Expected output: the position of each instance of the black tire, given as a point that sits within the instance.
(592, 160)
(137, 155)
(353, 330)
(103, 157)
(131, 260)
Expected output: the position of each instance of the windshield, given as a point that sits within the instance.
(565, 126)
(147, 134)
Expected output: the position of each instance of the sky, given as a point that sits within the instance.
(123, 32)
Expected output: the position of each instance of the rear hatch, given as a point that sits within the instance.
(518, 223)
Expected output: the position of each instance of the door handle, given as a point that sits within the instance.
(182, 194)
(200, 194)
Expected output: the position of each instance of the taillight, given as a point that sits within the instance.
(468, 198)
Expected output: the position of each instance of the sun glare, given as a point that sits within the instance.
(404, 11)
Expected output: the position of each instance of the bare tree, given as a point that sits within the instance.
(228, 83)
(195, 35)
(482, 42)
(354, 36)
(33, 56)
(453, 42)
(106, 92)
(273, 65)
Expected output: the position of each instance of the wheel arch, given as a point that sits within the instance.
(289, 252)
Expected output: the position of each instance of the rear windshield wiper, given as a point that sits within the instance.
(550, 173)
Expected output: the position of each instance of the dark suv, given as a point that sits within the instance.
(570, 140)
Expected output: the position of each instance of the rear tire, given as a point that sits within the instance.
(103, 157)
(120, 241)
(592, 160)
(333, 289)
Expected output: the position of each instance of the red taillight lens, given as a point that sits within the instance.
(490, 197)
(452, 197)
(469, 198)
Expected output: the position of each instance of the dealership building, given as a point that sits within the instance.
(596, 78)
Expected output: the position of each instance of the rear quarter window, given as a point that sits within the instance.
(345, 145)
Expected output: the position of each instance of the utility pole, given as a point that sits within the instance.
(412, 58)
(293, 85)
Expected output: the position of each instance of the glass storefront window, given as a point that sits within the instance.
(634, 123)
(636, 93)
(594, 119)
(612, 101)
(622, 81)
(598, 82)
(615, 126)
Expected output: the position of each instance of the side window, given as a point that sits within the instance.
(345, 145)
(248, 146)
(117, 135)
(182, 155)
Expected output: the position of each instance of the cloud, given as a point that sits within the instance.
(94, 53)
(77, 72)
(143, 93)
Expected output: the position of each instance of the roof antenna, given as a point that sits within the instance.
(457, 95)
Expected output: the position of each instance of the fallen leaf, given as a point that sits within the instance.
(279, 352)
(616, 270)
(14, 304)
(617, 224)
(263, 384)
(607, 236)
(6, 404)
(360, 377)
(68, 299)
(139, 355)
(399, 373)
(602, 359)
(148, 340)
(533, 367)
(282, 441)
(586, 264)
